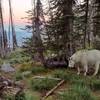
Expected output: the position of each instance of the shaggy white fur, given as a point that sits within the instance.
(86, 58)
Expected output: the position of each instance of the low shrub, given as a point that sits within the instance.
(18, 57)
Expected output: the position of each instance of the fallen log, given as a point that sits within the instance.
(42, 77)
(52, 90)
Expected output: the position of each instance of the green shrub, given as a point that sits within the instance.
(77, 92)
(43, 84)
(18, 56)
(18, 60)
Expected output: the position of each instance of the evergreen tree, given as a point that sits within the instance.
(37, 27)
(60, 26)
(81, 23)
(96, 22)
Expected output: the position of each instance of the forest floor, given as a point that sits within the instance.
(74, 88)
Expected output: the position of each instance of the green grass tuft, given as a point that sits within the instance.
(38, 70)
(18, 76)
(42, 84)
(95, 84)
(77, 92)
(61, 74)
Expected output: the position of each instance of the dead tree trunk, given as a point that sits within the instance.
(37, 40)
(1, 32)
(12, 27)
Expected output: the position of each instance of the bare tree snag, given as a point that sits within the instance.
(12, 27)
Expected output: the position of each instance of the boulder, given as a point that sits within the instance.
(7, 68)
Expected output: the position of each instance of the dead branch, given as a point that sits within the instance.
(42, 77)
(52, 90)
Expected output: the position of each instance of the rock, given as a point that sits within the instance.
(7, 68)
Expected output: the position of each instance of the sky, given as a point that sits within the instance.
(19, 10)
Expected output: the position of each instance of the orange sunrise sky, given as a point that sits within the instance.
(19, 8)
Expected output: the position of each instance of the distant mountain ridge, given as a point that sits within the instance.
(20, 34)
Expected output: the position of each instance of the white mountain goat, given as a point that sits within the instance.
(85, 58)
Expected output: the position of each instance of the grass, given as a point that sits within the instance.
(95, 84)
(21, 96)
(38, 70)
(61, 74)
(88, 84)
(31, 96)
(79, 87)
(17, 57)
(77, 92)
(25, 66)
(73, 78)
(18, 76)
(42, 84)
(66, 75)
